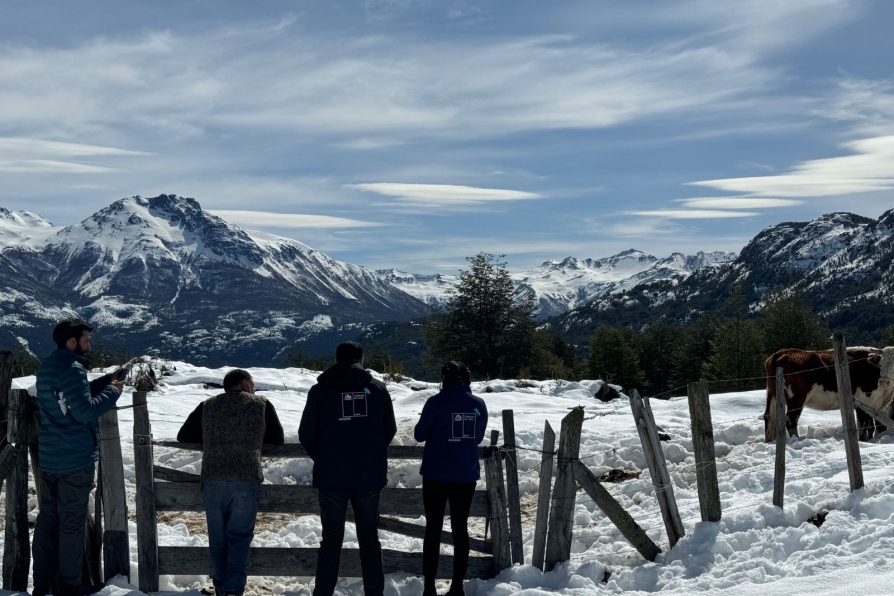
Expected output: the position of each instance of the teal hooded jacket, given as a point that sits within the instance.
(68, 438)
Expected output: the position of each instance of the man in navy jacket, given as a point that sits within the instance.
(346, 427)
(68, 440)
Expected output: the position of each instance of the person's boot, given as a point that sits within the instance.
(429, 590)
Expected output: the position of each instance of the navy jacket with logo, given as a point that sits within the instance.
(346, 427)
(452, 425)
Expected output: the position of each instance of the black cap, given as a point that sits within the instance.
(70, 328)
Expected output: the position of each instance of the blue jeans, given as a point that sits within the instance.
(231, 507)
(58, 546)
(333, 506)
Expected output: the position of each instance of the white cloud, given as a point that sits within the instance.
(447, 195)
(18, 147)
(692, 213)
(266, 219)
(737, 203)
(869, 168)
(29, 166)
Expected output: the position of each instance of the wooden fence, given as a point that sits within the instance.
(163, 489)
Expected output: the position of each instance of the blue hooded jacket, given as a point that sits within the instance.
(68, 438)
(452, 425)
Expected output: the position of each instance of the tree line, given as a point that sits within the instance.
(489, 326)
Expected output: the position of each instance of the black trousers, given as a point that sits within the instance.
(333, 506)
(435, 496)
(58, 547)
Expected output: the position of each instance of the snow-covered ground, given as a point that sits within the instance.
(755, 549)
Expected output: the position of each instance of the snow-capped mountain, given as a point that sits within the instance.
(22, 227)
(560, 286)
(431, 289)
(841, 263)
(162, 273)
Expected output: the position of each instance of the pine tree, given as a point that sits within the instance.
(613, 358)
(787, 322)
(484, 324)
(659, 356)
(737, 349)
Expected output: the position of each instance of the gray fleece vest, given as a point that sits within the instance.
(233, 432)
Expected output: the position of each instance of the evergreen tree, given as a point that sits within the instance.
(787, 322)
(613, 358)
(484, 324)
(737, 349)
(659, 356)
(693, 352)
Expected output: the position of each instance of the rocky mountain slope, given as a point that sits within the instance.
(162, 274)
(841, 263)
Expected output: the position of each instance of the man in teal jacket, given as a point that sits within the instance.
(68, 441)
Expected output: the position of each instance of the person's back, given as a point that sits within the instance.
(347, 429)
(233, 427)
(452, 425)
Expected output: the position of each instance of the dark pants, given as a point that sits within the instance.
(231, 507)
(435, 496)
(58, 548)
(333, 506)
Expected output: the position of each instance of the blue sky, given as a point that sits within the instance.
(413, 133)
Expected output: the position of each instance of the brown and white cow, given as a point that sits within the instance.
(810, 383)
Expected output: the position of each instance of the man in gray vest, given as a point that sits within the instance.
(232, 427)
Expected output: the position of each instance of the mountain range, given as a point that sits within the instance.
(161, 275)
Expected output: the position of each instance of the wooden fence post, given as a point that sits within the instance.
(497, 514)
(147, 520)
(546, 477)
(703, 446)
(664, 490)
(561, 517)
(17, 545)
(6, 361)
(779, 476)
(851, 446)
(115, 539)
(513, 500)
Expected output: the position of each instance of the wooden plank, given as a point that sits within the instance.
(561, 516)
(172, 475)
(513, 498)
(295, 450)
(779, 475)
(147, 521)
(281, 498)
(302, 562)
(16, 545)
(664, 490)
(877, 414)
(848, 420)
(499, 527)
(703, 446)
(389, 524)
(115, 538)
(634, 534)
(546, 476)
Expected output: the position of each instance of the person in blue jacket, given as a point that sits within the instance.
(452, 426)
(68, 447)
